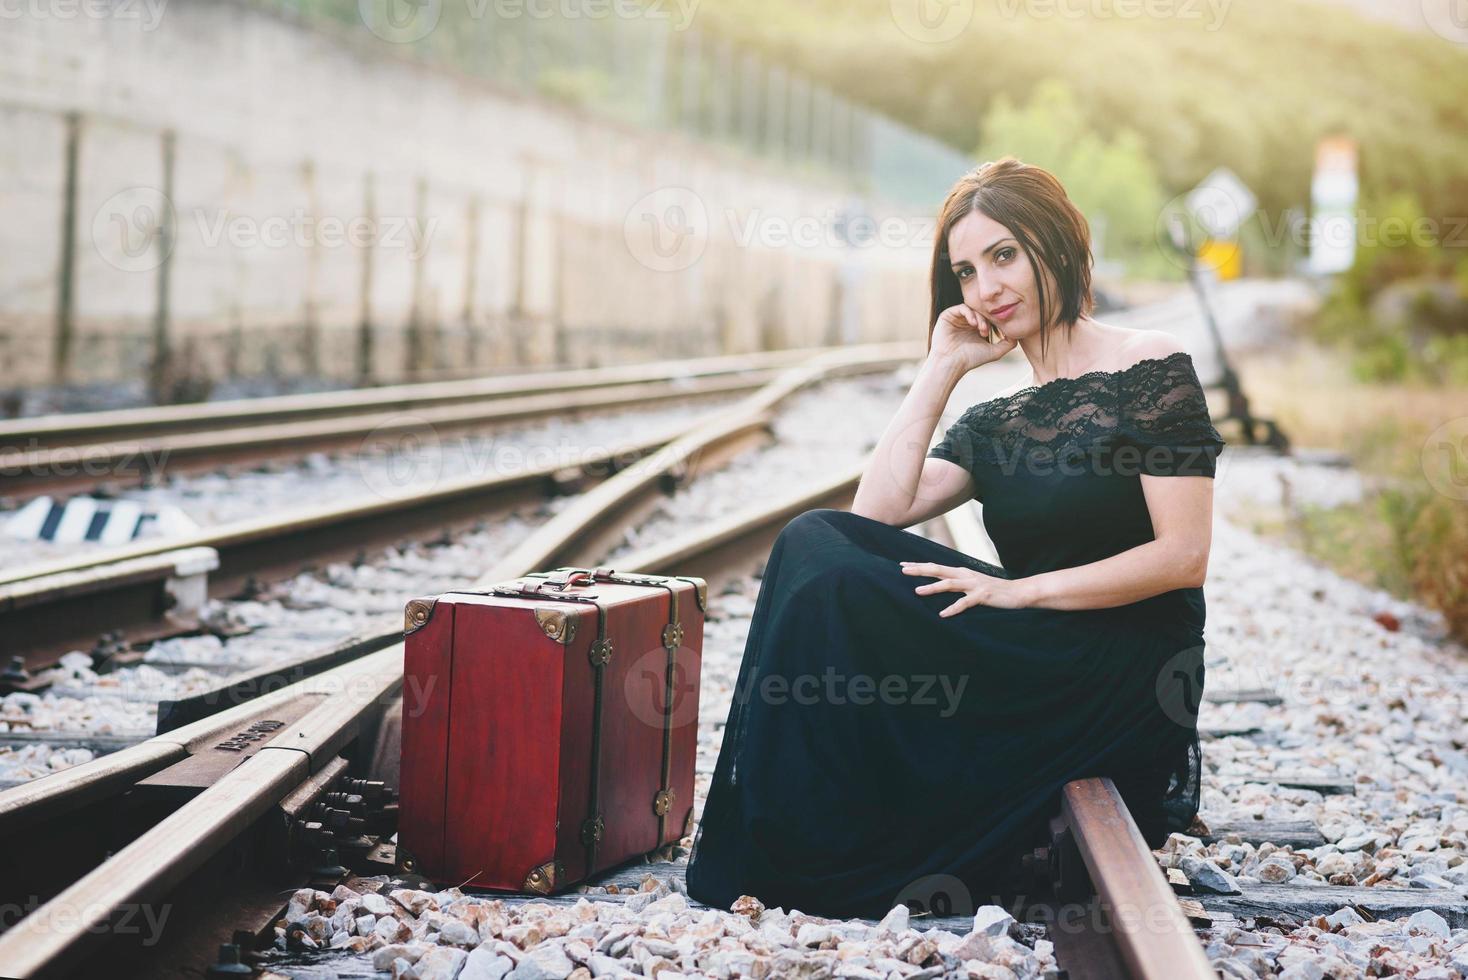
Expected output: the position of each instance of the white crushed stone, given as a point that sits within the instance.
(321, 606)
(652, 931)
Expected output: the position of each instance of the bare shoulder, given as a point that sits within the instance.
(1027, 381)
(1144, 344)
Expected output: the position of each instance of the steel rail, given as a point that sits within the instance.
(49, 431)
(52, 607)
(119, 463)
(57, 935)
(1144, 920)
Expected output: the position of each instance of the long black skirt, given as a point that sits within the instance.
(877, 753)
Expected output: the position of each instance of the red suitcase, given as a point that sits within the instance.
(550, 727)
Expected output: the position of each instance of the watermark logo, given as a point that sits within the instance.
(144, 921)
(1210, 12)
(668, 229)
(1445, 458)
(149, 13)
(401, 457)
(400, 21)
(1180, 686)
(1448, 19)
(645, 688)
(134, 229)
(938, 895)
(942, 692)
(407, 21)
(932, 21)
(1189, 220)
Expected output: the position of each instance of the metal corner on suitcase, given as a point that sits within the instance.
(558, 624)
(417, 613)
(542, 880)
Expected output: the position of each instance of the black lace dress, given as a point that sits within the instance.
(878, 753)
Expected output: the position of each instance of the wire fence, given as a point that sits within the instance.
(644, 66)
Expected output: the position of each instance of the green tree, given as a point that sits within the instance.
(1112, 179)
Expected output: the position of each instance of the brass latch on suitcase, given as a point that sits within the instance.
(554, 584)
(592, 830)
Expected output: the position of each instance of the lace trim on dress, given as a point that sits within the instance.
(1156, 402)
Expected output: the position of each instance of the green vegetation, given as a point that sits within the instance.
(1253, 92)
(1402, 308)
(1409, 533)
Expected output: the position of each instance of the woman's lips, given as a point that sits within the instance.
(1004, 312)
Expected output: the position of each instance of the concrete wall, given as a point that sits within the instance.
(508, 231)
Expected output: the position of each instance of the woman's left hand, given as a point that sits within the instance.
(978, 589)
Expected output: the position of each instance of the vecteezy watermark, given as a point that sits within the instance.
(407, 454)
(932, 21)
(830, 229)
(937, 894)
(1445, 458)
(96, 462)
(299, 229)
(648, 696)
(1179, 686)
(1448, 19)
(137, 228)
(667, 230)
(148, 13)
(1100, 457)
(1360, 228)
(406, 21)
(125, 919)
(836, 688)
(400, 457)
(1210, 12)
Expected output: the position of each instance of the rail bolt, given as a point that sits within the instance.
(16, 672)
(229, 963)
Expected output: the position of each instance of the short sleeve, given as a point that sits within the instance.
(1164, 419)
(958, 443)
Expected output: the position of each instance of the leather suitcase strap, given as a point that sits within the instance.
(672, 638)
(600, 654)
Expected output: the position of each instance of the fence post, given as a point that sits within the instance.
(364, 328)
(66, 271)
(471, 274)
(162, 372)
(775, 113)
(310, 327)
(415, 359)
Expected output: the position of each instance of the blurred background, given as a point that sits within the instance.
(219, 198)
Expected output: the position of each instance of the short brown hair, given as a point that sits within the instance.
(1032, 204)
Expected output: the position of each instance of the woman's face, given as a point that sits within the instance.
(994, 272)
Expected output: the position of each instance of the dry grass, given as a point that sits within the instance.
(1406, 536)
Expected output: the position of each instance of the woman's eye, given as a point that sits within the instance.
(962, 273)
(1004, 252)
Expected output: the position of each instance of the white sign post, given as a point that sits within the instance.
(1221, 203)
(1333, 192)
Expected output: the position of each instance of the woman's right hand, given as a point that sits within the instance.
(962, 335)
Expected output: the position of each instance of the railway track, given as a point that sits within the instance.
(114, 465)
(179, 824)
(135, 424)
(156, 587)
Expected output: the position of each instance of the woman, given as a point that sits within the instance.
(906, 715)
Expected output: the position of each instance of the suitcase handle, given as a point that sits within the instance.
(563, 578)
(554, 585)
